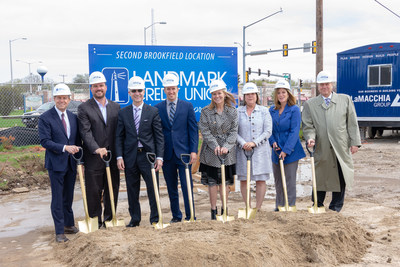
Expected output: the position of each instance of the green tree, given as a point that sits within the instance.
(81, 78)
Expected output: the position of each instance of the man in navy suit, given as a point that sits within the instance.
(181, 137)
(58, 132)
(139, 131)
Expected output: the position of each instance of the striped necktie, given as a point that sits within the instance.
(137, 119)
(171, 112)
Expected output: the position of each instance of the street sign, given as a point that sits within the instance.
(195, 66)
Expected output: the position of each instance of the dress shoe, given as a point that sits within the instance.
(213, 214)
(175, 220)
(60, 238)
(132, 224)
(70, 230)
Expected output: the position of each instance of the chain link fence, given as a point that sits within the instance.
(21, 106)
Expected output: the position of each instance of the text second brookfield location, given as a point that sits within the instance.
(164, 55)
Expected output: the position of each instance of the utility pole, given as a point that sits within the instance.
(319, 63)
(63, 76)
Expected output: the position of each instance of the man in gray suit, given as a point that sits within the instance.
(97, 124)
(139, 131)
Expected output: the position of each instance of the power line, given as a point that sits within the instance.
(388, 9)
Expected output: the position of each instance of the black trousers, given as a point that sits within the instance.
(337, 197)
(96, 187)
(132, 176)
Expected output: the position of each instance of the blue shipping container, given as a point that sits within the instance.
(370, 74)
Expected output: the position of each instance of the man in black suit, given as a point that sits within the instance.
(58, 132)
(139, 131)
(97, 125)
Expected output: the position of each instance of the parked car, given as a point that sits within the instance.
(31, 118)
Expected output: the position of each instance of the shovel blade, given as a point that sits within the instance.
(249, 215)
(289, 208)
(315, 209)
(88, 225)
(225, 218)
(191, 220)
(160, 225)
(114, 222)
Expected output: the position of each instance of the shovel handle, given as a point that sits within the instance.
(186, 163)
(78, 159)
(107, 161)
(309, 151)
(248, 153)
(276, 150)
(151, 157)
(222, 157)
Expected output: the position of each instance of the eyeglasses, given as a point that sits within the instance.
(136, 90)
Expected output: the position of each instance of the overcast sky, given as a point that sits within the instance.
(59, 32)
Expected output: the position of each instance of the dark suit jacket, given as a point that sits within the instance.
(53, 137)
(150, 134)
(183, 136)
(96, 134)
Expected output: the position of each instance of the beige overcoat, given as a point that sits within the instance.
(334, 129)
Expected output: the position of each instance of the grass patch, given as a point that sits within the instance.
(11, 122)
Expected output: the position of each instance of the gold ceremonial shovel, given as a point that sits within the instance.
(224, 217)
(247, 213)
(151, 157)
(189, 186)
(314, 208)
(113, 222)
(88, 225)
(286, 207)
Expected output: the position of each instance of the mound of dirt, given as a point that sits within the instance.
(30, 174)
(271, 239)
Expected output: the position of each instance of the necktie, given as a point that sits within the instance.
(64, 123)
(171, 112)
(327, 101)
(137, 119)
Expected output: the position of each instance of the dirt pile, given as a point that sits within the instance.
(27, 172)
(271, 239)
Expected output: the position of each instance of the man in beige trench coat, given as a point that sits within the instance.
(330, 123)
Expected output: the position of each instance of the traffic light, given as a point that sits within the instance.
(259, 72)
(301, 83)
(268, 73)
(238, 78)
(285, 50)
(314, 47)
(247, 77)
(249, 71)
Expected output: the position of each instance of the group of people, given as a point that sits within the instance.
(169, 129)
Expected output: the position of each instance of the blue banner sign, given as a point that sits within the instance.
(195, 66)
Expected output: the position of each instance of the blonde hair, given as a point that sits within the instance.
(290, 102)
(229, 100)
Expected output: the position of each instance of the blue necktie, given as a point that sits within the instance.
(171, 112)
(327, 101)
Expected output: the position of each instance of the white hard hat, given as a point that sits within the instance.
(136, 83)
(61, 89)
(249, 88)
(170, 80)
(97, 77)
(216, 85)
(324, 77)
(282, 84)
